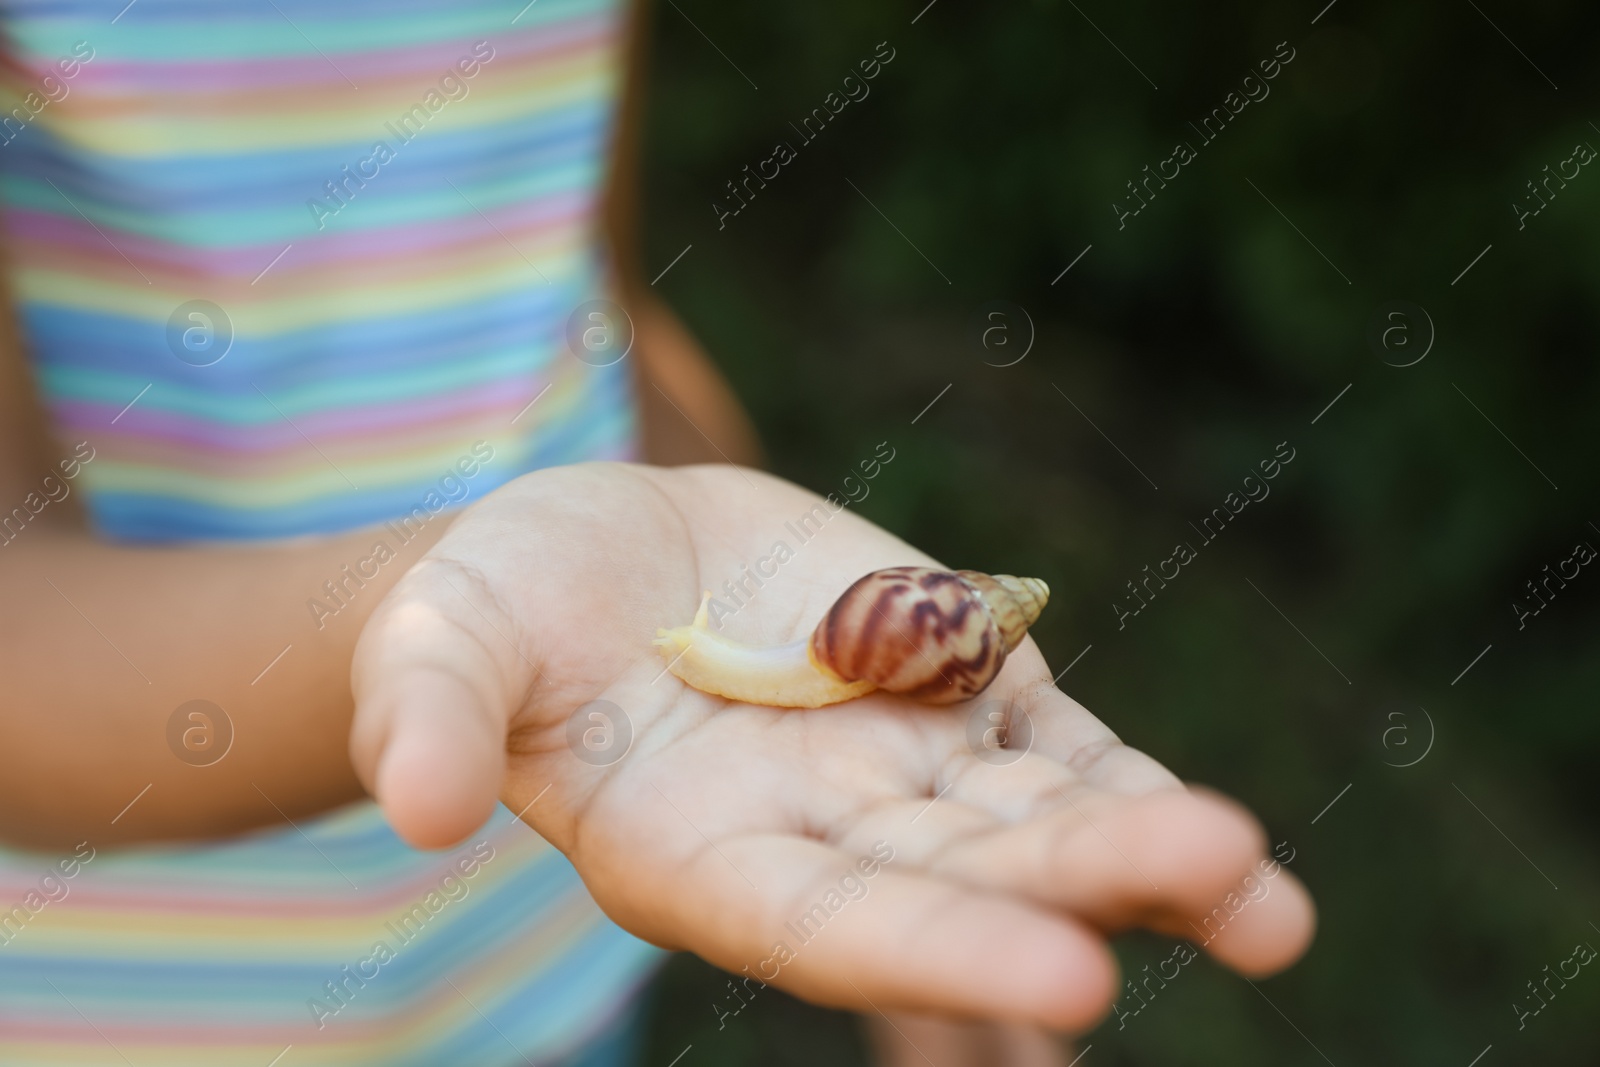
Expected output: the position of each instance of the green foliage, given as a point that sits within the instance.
(1197, 338)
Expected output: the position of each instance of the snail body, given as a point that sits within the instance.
(931, 635)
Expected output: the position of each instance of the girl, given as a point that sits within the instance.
(295, 282)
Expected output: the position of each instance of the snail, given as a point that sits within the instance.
(935, 636)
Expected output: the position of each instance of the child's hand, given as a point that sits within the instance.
(724, 824)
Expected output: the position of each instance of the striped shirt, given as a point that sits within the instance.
(283, 262)
(290, 267)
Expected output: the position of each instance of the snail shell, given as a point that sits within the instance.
(935, 636)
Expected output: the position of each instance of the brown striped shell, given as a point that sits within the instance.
(935, 636)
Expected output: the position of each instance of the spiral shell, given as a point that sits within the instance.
(935, 636)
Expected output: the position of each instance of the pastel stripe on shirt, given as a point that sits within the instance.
(377, 337)
(229, 954)
(388, 306)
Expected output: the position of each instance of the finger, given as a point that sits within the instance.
(435, 680)
(1118, 861)
(1264, 926)
(804, 916)
(1079, 821)
(1062, 735)
(1111, 859)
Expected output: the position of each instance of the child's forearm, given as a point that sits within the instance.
(100, 646)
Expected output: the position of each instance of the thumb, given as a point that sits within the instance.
(436, 678)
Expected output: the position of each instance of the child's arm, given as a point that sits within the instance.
(100, 644)
(83, 730)
(96, 663)
(731, 830)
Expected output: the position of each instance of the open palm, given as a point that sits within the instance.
(874, 854)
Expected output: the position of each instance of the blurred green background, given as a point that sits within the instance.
(1197, 338)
